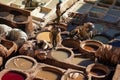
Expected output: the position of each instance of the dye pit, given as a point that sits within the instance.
(103, 14)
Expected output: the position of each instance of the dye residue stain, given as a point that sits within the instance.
(47, 75)
(60, 55)
(13, 76)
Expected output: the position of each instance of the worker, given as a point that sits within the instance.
(55, 36)
(83, 32)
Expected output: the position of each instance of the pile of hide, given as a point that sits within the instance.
(108, 54)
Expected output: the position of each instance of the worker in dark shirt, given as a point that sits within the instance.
(55, 36)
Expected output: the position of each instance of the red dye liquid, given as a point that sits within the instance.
(13, 76)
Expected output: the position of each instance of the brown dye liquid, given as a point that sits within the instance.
(47, 75)
(60, 55)
(91, 47)
(98, 72)
(43, 36)
(20, 63)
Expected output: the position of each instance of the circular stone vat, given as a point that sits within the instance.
(23, 63)
(97, 71)
(4, 14)
(71, 43)
(102, 38)
(90, 46)
(20, 18)
(48, 73)
(61, 54)
(43, 36)
(13, 75)
(80, 60)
